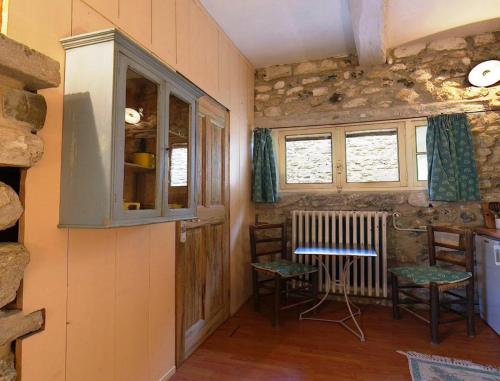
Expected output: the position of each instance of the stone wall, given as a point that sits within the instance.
(22, 114)
(419, 80)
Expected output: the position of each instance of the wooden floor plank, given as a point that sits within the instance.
(248, 348)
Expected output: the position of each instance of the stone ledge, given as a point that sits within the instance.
(35, 70)
(13, 261)
(14, 324)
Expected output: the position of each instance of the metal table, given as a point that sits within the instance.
(351, 251)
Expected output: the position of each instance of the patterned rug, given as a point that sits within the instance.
(436, 368)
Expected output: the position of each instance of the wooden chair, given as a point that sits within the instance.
(439, 280)
(277, 272)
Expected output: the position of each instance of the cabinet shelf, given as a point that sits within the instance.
(138, 167)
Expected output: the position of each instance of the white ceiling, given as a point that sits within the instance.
(270, 32)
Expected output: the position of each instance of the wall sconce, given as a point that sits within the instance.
(485, 74)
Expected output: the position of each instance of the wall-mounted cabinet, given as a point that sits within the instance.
(128, 155)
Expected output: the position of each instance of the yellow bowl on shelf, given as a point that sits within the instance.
(144, 159)
(131, 205)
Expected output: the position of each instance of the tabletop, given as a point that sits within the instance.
(354, 250)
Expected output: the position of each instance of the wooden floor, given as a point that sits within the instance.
(246, 347)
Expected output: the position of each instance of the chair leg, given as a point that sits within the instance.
(256, 291)
(434, 297)
(471, 329)
(277, 301)
(395, 297)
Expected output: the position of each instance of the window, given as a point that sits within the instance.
(421, 152)
(308, 159)
(379, 155)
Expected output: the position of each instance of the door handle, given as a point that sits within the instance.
(195, 219)
(496, 250)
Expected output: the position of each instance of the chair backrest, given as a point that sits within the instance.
(460, 252)
(268, 240)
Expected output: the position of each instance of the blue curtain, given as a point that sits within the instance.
(451, 162)
(264, 182)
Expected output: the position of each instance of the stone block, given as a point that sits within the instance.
(262, 97)
(272, 111)
(450, 43)
(31, 68)
(13, 260)
(295, 90)
(484, 39)
(7, 369)
(23, 106)
(307, 81)
(357, 102)
(305, 68)
(408, 95)
(409, 50)
(279, 85)
(277, 71)
(320, 91)
(328, 65)
(19, 147)
(10, 207)
(263, 88)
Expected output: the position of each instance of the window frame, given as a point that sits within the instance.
(407, 156)
(412, 159)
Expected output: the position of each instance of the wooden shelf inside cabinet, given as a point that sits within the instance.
(137, 167)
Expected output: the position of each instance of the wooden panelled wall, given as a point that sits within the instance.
(109, 294)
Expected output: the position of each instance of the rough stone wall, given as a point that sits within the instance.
(419, 80)
(22, 114)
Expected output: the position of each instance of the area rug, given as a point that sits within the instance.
(437, 368)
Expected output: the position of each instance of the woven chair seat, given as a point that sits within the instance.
(424, 276)
(285, 268)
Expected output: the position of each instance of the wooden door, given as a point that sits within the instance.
(202, 258)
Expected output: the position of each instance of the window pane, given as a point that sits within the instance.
(372, 155)
(178, 142)
(422, 167)
(179, 167)
(139, 177)
(309, 159)
(421, 133)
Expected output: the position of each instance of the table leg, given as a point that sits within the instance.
(352, 308)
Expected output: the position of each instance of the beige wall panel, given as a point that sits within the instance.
(209, 63)
(134, 18)
(197, 46)
(164, 35)
(225, 46)
(186, 52)
(86, 19)
(43, 355)
(91, 305)
(107, 8)
(132, 304)
(162, 300)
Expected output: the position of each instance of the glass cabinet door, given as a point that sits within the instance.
(180, 169)
(138, 141)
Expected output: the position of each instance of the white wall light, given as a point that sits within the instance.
(485, 74)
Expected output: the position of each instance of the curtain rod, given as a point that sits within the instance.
(383, 120)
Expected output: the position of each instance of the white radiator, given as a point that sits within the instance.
(367, 276)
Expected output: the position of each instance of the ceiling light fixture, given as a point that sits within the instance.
(485, 74)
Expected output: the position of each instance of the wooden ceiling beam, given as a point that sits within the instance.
(368, 19)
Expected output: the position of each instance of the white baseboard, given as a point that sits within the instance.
(168, 375)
